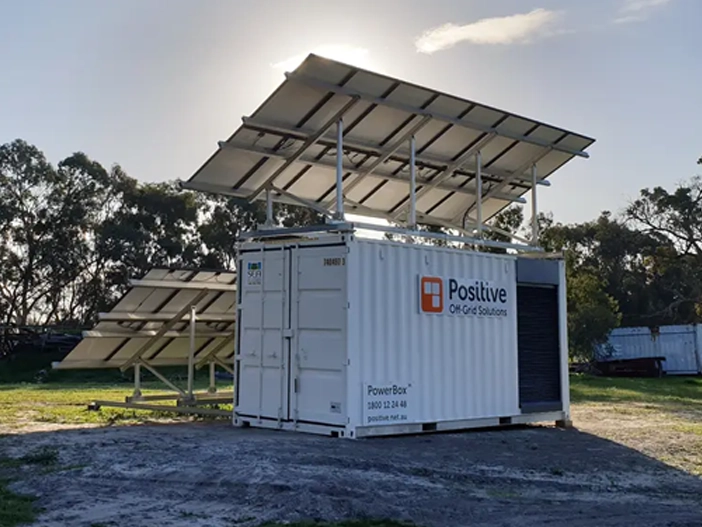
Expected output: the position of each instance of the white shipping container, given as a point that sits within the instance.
(680, 346)
(355, 337)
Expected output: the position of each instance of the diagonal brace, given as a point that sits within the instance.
(307, 144)
(161, 378)
(162, 331)
(213, 353)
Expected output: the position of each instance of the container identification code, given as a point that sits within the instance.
(334, 262)
(387, 403)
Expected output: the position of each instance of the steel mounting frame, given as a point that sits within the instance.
(145, 317)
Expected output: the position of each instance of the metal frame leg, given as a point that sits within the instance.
(479, 191)
(136, 394)
(269, 208)
(213, 384)
(191, 354)
(534, 209)
(340, 170)
(413, 185)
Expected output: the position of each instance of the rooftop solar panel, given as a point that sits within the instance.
(289, 146)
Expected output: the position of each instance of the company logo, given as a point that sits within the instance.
(432, 294)
(254, 273)
(463, 297)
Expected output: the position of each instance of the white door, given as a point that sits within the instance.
(264, 347)
(318, 321)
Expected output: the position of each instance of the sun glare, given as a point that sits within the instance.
(351, 55)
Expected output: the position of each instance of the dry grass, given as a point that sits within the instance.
(661, 418)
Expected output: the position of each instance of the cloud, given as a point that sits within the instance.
(513, 29)
(634, 6)
(638, 10)
(354, 56)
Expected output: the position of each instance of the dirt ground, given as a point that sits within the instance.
(212, 474)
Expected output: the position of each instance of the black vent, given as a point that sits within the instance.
(538, 348)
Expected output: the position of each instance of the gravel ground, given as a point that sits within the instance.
(212, 474)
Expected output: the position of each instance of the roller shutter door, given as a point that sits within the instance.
(538, 348)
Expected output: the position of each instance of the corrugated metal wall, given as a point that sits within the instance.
(680, 345)
(461, 367)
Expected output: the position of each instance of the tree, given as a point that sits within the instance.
(508, 220)
(30, 223)
(155, 226)
(221, 227)
(674, 220)
(592, 314)
(622, 257)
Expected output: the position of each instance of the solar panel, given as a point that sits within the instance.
(288, 145)
(151, 322)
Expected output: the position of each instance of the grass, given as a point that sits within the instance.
(15, 509)
(68, 403)
(684, 391)
(62, 396)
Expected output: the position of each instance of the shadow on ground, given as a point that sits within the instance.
(199, 474)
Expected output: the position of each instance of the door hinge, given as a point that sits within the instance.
(288, 333)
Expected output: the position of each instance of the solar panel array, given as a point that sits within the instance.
(153, 302)
(289, 142)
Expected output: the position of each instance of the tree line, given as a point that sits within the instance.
(71, 235)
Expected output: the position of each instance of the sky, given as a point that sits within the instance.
(153, 84)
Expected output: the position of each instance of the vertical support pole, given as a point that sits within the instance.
(534, 209)
(413, 185)
(269, 208)
(137, 381)
(479, 190)
(213, 384)
(191, 353)
(340, 170)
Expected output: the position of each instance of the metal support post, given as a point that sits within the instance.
(534, 209)
(137, 381)
(213, 384)
(191, 353)
(413, 184)
(269, 208)
(340, 169)
(479, 190)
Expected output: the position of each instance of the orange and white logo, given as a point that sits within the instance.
(432, 294)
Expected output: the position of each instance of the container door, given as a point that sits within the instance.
(264, 344)
(319, 305)
(677, 344)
